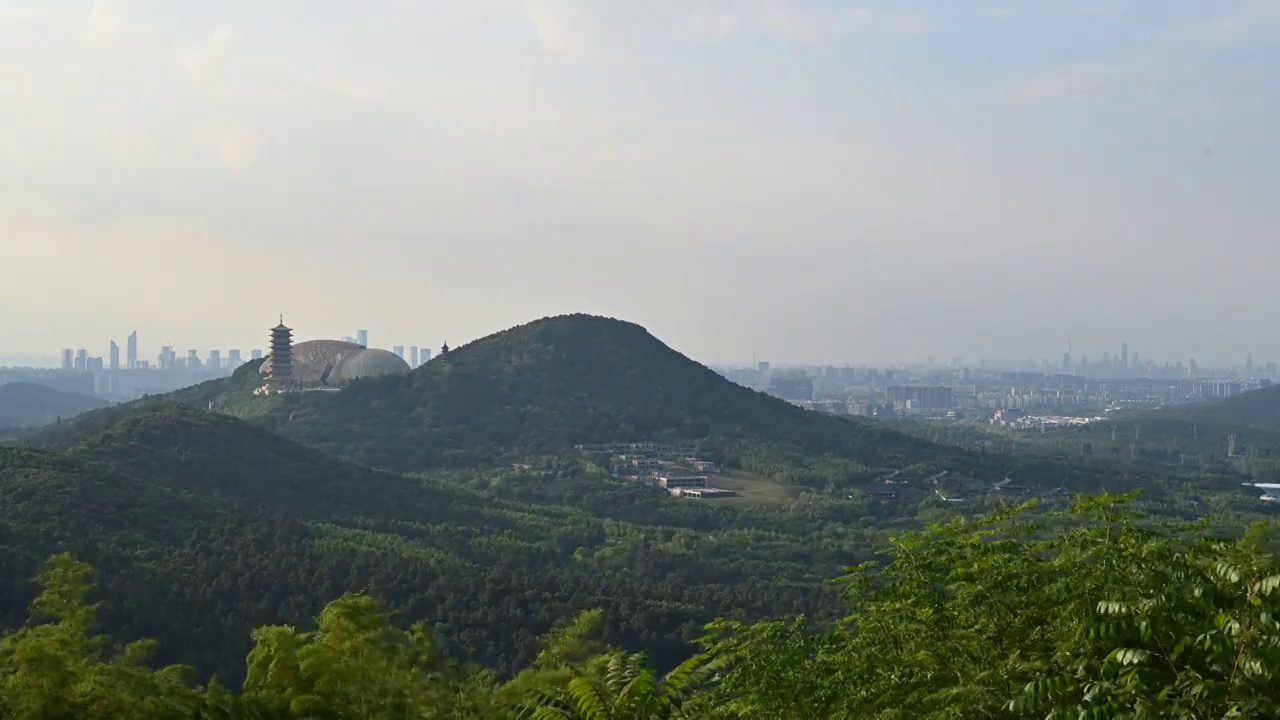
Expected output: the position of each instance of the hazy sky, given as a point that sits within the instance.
(807, 179)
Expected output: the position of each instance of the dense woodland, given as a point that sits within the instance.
(375, 553)
(1103, 616)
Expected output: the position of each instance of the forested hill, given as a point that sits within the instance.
(29, 405)
(546, 386)
(204, 526)
(1244, 426)
(1258, 409)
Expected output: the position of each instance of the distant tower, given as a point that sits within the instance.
(281, 357)
(362, 338)
(115, 356)
(444, 349)
(1124, 355)
(413, 356)
(399, 351)
(131, 356)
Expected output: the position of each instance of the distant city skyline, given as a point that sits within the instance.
(1115, 354)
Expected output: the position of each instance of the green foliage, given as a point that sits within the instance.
(57, 669)
(1113, 618)
(1099, 614)
(625, 688)
(354, 665)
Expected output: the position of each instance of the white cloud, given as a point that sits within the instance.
(1253, 16)
(866, 19)
(794, 20)
(232, 147)
(1072, 80)
(104, 24)
(564, 28)
(573, 29)
(201, 61)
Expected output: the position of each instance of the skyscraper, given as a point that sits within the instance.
(82, 360)
(399, 351)
(424, 355)
(215, 359)
(165, 358)
(1124, 355)
(193, 360)
(68, 361)
(115, 356)
(233, 359)
(413, 356)
(255, 354)
(362, 337)
(131, 355)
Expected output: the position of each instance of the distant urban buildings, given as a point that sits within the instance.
(791, 386)
(362, 337)
(913, 397)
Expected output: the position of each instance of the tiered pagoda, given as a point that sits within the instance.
(281, 376)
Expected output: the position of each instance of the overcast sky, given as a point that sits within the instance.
(858, 181)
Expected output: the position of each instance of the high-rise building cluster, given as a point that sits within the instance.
(123, 376)
(416, 356)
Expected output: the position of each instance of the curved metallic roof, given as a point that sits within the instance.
(334, 362)
(370, 363)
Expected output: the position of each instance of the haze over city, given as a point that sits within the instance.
(824, 182)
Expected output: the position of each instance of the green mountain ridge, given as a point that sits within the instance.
(29, 405)
(544, 387)
(1259, 409)
(1214, 433)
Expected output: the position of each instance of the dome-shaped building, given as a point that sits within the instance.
(319, 363)
(370, 362)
